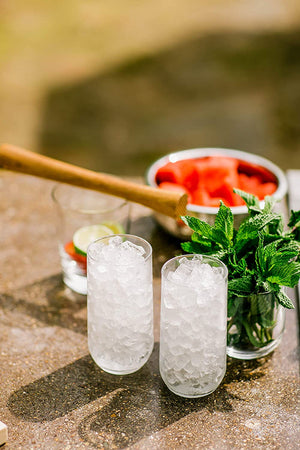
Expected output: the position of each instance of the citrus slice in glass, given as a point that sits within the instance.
(85, 235)
(115, 227)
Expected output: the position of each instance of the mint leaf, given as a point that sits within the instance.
(198, 225)
(269, 249)
(247, 234)
(274, 262)
(285, 274)
(237, 266)
(249, 199)
(220, 238)
(294, 223)
(289, 245)
(269, 204)
(261, 256)
(224, 221)
(241, 286)
(196, 237)
(192, 247)
(247, 239)
(294, 219)
(262, 307)
(203, 229)
(284, 300)
(261, 220)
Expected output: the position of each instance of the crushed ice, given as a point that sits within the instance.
(118, 251)
(196, 274)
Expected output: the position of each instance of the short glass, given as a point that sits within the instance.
(120, 303)
(255, 325)
(77, 208)
(193, 324)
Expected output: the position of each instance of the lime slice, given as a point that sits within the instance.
(115, 227)
(85, 235)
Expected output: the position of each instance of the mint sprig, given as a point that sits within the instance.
(261, 257)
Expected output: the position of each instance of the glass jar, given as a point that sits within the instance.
(255, 325)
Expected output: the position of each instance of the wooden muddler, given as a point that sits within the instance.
(17, 159)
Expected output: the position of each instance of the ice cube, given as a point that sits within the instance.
(115, 241)
(138, 249)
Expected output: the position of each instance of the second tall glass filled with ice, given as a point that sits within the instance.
(120, 303)
(193, 324)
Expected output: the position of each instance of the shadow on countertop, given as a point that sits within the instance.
(138, 404)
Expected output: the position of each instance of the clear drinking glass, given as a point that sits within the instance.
(120, 303)
(193, 324)
(255, 325)
(77, 208)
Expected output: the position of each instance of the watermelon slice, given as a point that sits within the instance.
(211, 179)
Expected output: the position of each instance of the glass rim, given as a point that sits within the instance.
(203, 257)
(91, 211)
(125, 235)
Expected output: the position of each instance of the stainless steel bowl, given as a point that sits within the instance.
(208, 213)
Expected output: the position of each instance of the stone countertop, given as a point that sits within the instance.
(53, 396)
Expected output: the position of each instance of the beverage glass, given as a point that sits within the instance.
(193, 324)
(77, 208)
(120, 303)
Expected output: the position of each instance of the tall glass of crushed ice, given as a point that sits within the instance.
(193, 324)
(120, 303)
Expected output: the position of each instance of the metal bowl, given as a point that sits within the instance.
(208, 213)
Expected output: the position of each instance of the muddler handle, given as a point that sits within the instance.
(17, 159)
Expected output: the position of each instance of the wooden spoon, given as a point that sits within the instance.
(17, 159)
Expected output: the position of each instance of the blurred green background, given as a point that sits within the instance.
(112, 85)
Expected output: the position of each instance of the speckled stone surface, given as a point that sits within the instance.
(53, 396)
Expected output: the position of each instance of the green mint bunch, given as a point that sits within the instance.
(261, 256)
